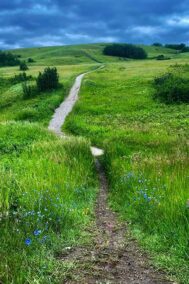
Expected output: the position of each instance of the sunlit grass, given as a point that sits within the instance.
(48, 188)
(146, 154)
(47, 185)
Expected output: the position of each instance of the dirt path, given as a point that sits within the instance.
(66, 107)
(113, 258)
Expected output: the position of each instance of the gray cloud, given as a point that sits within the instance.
(55, 22)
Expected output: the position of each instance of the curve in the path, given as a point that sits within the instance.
(66, 107)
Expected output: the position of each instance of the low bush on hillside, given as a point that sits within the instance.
(23, 66)
(3, 82)
(157, 44)
(48, 80)
(31, 60)
(22, 77)
(29, 91)
(162, 57)
(8, 59)
(125, 50)
(179, 47)
(172, 88)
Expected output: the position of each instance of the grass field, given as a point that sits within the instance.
(48, 186)
(82, 54)
(46, 196)
(146, 155)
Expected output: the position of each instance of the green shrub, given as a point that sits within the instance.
(179, 47)
(8, 59)
(29, 90)
(125, 50)
(48, 80)
(157, 44)
(162, 57)
(22, 77)
(27, 114)
(171, 88)
(31, 60)
(23, 66)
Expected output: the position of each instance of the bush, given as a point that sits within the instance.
(157, 44)
(176, 46)
(22, 77)
(162, 57)
(8, 59)
(48, 80)
(179, 47)
(29, 90)
(171, 88)
(31, 60)
(125, 50)
(23, 66)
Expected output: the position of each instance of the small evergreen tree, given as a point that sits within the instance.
(8, 59)
(22, 77)
(23, 66)
(31, 60)
(158, 44)
(48, 80)
(28, 90)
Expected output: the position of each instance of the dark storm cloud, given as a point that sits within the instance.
(55, 22)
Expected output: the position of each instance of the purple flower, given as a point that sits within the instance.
(28, 242)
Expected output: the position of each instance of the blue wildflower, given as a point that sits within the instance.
(37, 232)
(28, 242)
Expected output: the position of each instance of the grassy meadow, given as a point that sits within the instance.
(48, 186)
(146, 155)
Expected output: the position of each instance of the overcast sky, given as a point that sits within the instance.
(26, 23)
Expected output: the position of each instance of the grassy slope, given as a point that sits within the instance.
(42, 187)
(40, 108)
(37, 170)
(79, 54)
(146, 157)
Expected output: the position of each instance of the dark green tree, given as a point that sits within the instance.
(31, 60)
(8, 59)
(23, 66)
(48, 80)
(125, 50)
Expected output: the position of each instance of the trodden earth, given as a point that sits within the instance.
(113, 257)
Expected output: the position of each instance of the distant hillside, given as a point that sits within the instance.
(79, 54)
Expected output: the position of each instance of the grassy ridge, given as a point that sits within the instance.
(81, 54)
(147, 155)
(40, 108)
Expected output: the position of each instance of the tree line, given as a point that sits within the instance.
(179, 47)
(125, 50)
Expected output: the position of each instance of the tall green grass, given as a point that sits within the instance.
(48, 188)
(146, 156)
(47, 185)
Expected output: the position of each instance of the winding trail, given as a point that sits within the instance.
(113, 257)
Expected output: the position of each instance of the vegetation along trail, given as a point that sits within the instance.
(113, 257)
